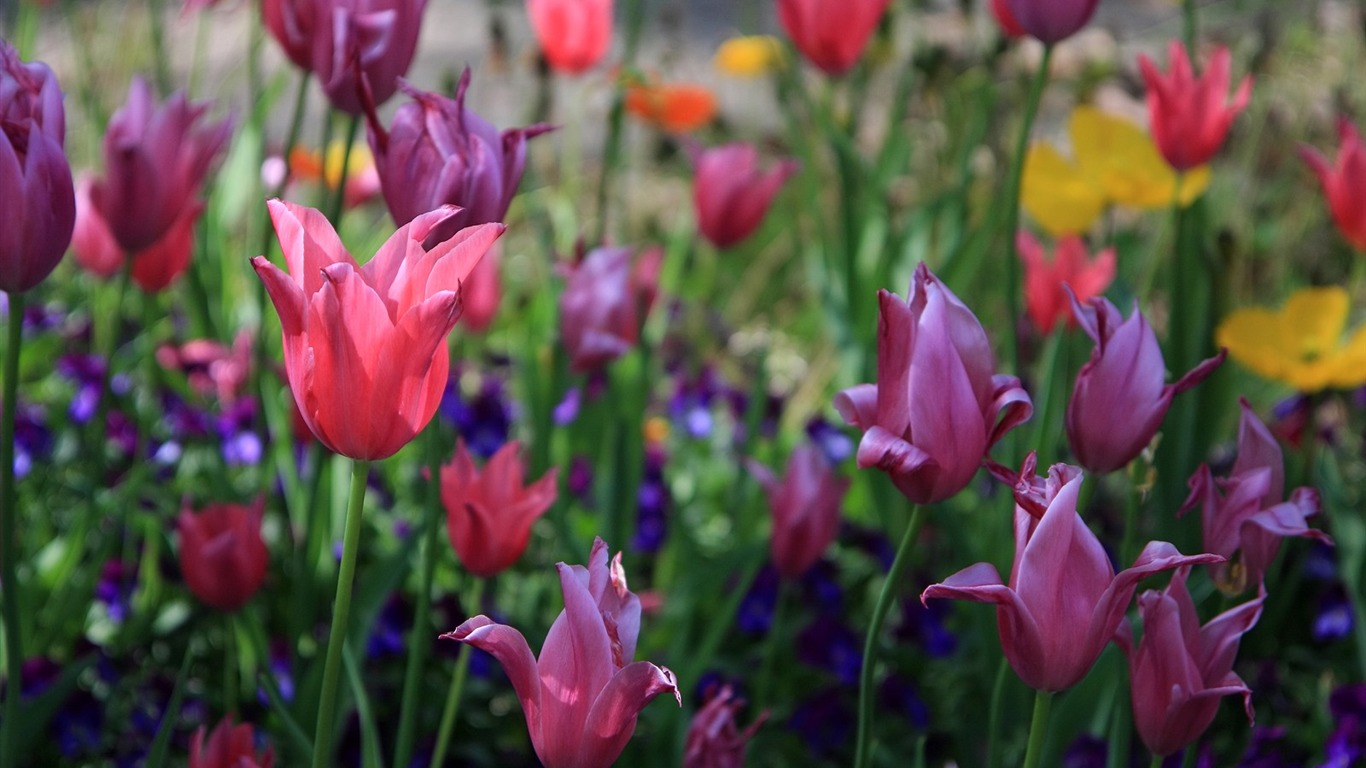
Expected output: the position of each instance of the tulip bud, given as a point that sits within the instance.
(222, 555)
(35, 177)
(489, 514)
(730, 194)
(574, 34)
(1051, 21)
(806, 509)
(831, 34)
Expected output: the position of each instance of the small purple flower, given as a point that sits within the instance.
(821, 587)
(78, 727)
(32, 439)
(691, 403)
(755, 614)
(239, 443)
(1335, 619)
(115, 588)
(484, 421)
(388, 637)
(279, 669)
(898, 694)
(1086, 751)
(828, 644)
(652, 503)
(825, 722)
(567, 410)
(580, 477)
(833, 442)
(924, 624)
(1268, 749)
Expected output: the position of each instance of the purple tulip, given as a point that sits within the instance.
(806, 508)
(1064, 601)
(937, 407)
(1120, 400)
(1180, 670)
(603, 303)
(155, 162)
(730, 193)
(1052, 20)
(582, 696)
(1245, 516)
(35, 177)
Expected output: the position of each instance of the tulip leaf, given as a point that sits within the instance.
(156, 756)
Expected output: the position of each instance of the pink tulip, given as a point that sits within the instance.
(365, 347)
(603, 304)
(574, 34)
(483, 292)
(831, 34)
(714, 740)
(1244, 516)
(222, 554)
(806, 509)
(1180, 669)
(1190, 116)
(1064, 601)
(1119, 399)
(582, 696)
(1344, 182)
(731, 195)
(1051, 21)
(93, 244)
(1046, 300)
(229, 746)
(154, 267)
(155, 162)
(35, 176)
(489, 514)
(938, 406)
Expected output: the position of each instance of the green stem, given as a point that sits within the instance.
(864, 744)
(230, 683)
(162, 62)
(1038, 729)
(339, 199)
(775, 641)
(998, 690)
(1156, 762)
(457, 689)
(1189, 29)
(611, 151)
(341, 612)
(9, 552)
(1132, 502)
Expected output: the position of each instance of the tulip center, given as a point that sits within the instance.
(17, 133)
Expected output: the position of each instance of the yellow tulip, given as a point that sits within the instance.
(1301, 344)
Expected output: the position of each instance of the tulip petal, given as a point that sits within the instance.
(612, 718)
(308, 241)
(509, 647)
(575, 664)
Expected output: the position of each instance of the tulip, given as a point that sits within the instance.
(1344, 182)
(1000, 10)
(1119, 399)
(582, 696)
(1180, 669)
(937, 407)
(489, 514)
(439, 152)
(156, 160)
(365, 347)
(1064, 601)
(573, 34)
(714, 740)
(93, 244)
(222, 554)
(334, 39)
(1045, 299)
(1245, 516)
(482, 292)
(229, 746)
(35, 177)
(601, 306)
(1191, 115)
(730, 194)
(1051, 21)
(831, 34)
(806, 509)
(155, 267)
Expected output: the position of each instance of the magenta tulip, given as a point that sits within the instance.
(35, 177)
(805, 504)
(831, 34)
(730, 194)
(1180, 669)
(714, 739)
(938, 406)
(603, 304)
(1119, 399)
(1051, 21)
(582, 696)
(1064, 600)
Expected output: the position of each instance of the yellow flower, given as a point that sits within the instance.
(1302, 344)
(1116, 163)
(749, 56)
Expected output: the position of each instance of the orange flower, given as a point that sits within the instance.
(675, 107)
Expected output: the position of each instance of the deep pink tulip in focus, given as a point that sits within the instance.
(831, 34)
(222, 554)
(574, 34)
(228, 746)
(603, 304)
(1046, 300)
(714, 739)
(489, 513)
(938, 405)
(1180, 670)
(155, 162)
(1190, 116)
(1119, 399)
(35, 176)
(1005, 18)
(1051, 21)
(1245, 516)
(1344, 182)
(365, 347)
(582, 696)
(805, 504)
(1064, 600)
(730, 194)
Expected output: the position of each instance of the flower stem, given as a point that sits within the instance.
(230, 684)
(998, 690)
(339, 200)
(457, 689)
(1189, 29)
(341, 612)
(1038, 729)
(864, 744)
(9, 553)
(1156, 762)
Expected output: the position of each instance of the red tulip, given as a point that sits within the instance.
(1064, 601)
(1245, 516)
(489, 514)
(831, 34)
(222, 555)
(938, 405)
(714, 740)
(229, 746)
(602, 305)
(730, 193)
(1000, 9)
(1180, 669)
(574, 34)
(1191, 115)
(35, 177)
(582, 696)
(1051, 21)
(806, 509)
(365, 347)
(1045, 299)
(1344, 182)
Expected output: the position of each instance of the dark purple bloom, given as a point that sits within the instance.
(691, 403)
(115, 588)
(240, 444)
(485, 420)
(833, 442)
(821, 588)
(755, 614)
(828, 644)
(388, 637)
(652, 503)
(32, 438)
(1334, 620)
(825, 722)
(567, 410)
(1086, 751)
(899, 694)
(924, 624)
